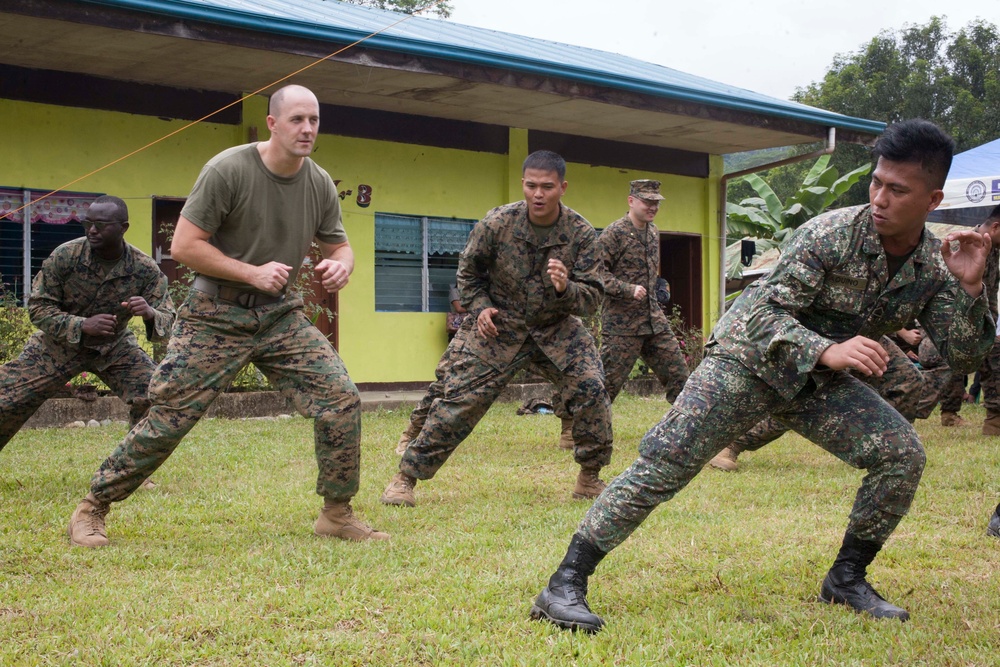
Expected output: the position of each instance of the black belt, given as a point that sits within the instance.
(245, 298)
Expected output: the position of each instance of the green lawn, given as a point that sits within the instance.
(218, 566)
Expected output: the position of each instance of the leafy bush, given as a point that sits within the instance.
(15, 327)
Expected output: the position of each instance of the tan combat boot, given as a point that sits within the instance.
(588, 484)
(337, 520)
(566, 437)
(992, 424)
(86, 526)
(404, 442)
(400, 491)
(148, 484)
(951, 419)
(725, 460)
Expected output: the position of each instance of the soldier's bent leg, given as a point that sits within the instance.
(721, 399)
(901, 385)
(585, 398)
(951, 399)
(26, 382)
(663, 354)
(847, 418)
(300, 361)
(989, 379)
(436, 389)
(128, 376)
(209, 346)
(470, 387)
(618, 355)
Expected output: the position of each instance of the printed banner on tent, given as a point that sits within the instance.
(967, 192)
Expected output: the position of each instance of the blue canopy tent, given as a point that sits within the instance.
(973, 187)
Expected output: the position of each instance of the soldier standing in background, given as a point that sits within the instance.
(633, 325)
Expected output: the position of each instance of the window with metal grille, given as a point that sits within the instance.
(416, 259)
(52, 221)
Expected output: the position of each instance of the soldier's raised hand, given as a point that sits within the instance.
(968, 261)
(859, 353)
(484, 323)
(558, 274)
(333, 274)
(138, 306)
(270, 277)
(100, 325)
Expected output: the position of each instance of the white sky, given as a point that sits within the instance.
(768, 46)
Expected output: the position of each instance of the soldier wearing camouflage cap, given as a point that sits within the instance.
(633, 324)
(786, 347)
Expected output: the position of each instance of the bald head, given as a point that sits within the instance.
(283, 95)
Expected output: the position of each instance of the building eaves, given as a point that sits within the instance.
(343, 23)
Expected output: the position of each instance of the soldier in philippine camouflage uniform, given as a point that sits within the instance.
(902, 386)
(245, 230)
(785, 348)
(82, 300)
(527, 275)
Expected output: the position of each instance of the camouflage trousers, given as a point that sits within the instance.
(469, 386)
(436, 389)
(43, 369)
(989, 378)
(211, 341)
(723, 399)
(659, 351)
(902, 386)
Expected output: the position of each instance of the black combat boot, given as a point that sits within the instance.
(845, 582)
(564, 600)
(993, 529)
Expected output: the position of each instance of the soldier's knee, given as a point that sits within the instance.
(908, 457)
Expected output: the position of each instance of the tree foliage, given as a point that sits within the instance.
(442, 9)
(767, 218)
(920, 71)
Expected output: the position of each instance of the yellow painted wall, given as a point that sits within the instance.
(405, 179)
(48, 147)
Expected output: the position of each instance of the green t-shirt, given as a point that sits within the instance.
(257, 217)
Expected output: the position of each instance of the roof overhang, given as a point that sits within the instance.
(180, 45)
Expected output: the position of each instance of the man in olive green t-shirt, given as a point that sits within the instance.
(245, 230)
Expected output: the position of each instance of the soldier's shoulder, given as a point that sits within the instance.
(835, 224)
(69, 251)
(577, 222)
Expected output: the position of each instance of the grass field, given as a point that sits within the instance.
(218, 566)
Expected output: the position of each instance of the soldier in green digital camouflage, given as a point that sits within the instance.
(847, 278)
(245, 230)
(82, 300)
(526, 276)
(902, 386)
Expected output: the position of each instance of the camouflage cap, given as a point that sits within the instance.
(646, 189)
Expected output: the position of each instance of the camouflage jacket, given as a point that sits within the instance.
(504, 267)
(831, 285)
(629, 260)
(69, 289)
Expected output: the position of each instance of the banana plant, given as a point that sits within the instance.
(770, 221)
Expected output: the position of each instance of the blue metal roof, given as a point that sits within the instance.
(329, 20)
